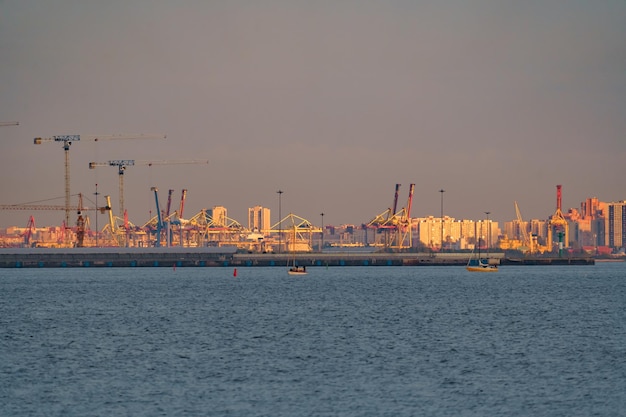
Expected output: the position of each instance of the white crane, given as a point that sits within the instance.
(67, 141)
(121, 165)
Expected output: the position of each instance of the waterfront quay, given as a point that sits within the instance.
(228, 257)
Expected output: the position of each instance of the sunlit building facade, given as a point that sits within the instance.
(259, 219)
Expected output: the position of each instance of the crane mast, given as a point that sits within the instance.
(122, 164)
(67, 142)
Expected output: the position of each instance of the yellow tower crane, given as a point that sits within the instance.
(67, 141)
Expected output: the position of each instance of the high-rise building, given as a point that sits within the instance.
(616, 224)
(457, 234)
(259, 219)
(218, 215)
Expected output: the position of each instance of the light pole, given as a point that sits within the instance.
(488, 231)
(322, 244)
(442, 191)
(280, 219)
(96, 194)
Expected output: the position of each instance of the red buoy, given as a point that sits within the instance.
(235, 272)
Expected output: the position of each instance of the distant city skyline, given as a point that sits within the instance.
(333, 103)
(268, 215)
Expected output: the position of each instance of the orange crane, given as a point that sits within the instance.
(30, 229)
(122, 164)
(67, 142)
(183, 196)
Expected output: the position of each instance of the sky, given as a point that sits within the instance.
(331, 102)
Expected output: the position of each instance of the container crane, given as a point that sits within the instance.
(169, 203)
(183, 196)
(67, 140)
(30, 230)
(558, 224)
(157, 242)
(122, 164)
(405, 232)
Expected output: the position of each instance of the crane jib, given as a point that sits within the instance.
(67, 138)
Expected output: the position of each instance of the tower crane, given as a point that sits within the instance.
(67, 140)
(80, 222)
(9, 123)
(29, 206)
(122, 164)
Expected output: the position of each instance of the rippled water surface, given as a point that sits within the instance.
(352, 341)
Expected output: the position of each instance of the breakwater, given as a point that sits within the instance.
(228, 257)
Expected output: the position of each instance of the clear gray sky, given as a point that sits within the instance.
(333, 102)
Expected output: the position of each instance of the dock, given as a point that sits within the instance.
(229, 257)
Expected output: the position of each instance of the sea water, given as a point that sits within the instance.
(340, 341)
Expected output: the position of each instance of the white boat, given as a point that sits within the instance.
(294, 268)
(478, 264)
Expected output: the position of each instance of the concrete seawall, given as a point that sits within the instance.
(225, 257)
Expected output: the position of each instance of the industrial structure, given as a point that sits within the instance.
(393, 227)
(67, 141)
(557, 225)
(122, 164)
(599, 228)
(79, 230)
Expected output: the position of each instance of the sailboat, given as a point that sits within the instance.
(294, 268)
(478, 264)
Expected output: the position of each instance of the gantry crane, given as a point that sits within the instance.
(558, 224)
(397, 222)
(169, 202)
(30, 230)
(67, 142)
(122, 164)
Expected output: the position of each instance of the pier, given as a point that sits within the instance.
(228, 256)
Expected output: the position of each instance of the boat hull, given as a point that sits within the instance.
(482, 268)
